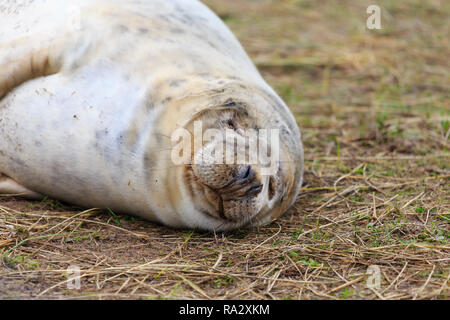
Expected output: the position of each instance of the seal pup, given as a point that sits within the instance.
(92, 91)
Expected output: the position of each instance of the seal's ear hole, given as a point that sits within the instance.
(272, 189)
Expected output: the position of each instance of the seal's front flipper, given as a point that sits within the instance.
(20, 62)
(10, 187)
(35, 37)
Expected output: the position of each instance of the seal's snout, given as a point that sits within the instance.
(244, 185)
(234, 191)
(240, 174)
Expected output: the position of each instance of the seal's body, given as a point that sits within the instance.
(92, 91)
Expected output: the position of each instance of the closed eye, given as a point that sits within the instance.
(231, 124)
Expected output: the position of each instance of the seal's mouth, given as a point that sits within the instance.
(237, 194)
(237, 199)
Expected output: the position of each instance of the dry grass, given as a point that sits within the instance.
(373, 107)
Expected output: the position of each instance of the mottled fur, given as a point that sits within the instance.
(91, 92)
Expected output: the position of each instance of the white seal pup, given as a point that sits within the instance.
(92, 91)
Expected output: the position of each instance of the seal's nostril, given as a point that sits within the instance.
(244, 173)
(247, 172)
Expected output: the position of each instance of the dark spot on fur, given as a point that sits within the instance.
(149, 166)
(176, 83)
(166, 100)
(218, 90)
(185, 19)
(176, 30)
(121, 138)
(100, 134)
(18, 161)
(143, 30)
(74, 66)
(159, 138)
(163, 17)
(233, 78)
(149, 106)
(212, 45)
(122, 29)
(204, 75)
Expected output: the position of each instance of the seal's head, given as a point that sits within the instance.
(246, 166)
